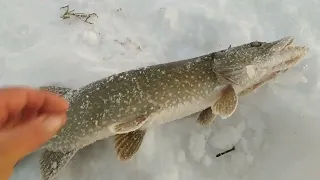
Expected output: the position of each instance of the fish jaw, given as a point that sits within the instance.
(246, 65)
(282, 56)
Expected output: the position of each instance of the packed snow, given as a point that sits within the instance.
(275, 130)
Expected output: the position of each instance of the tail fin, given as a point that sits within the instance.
(51, 163)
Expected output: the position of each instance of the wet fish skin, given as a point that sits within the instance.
(131, 94)
(93, 108)
(125, 105)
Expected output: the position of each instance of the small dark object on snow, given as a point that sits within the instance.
(80, 16)
(225, 152)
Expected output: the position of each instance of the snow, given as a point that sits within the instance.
(275, 130)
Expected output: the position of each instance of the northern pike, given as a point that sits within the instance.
(127, 104)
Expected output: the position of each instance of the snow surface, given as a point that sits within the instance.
(276, 130)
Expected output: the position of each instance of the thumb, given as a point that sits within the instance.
(24, 139)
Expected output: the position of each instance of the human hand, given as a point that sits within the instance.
(28, 118)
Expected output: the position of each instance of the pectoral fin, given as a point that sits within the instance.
(51, 163)
(206, 117)
(128, 144)
(128, 125)
(226, 105)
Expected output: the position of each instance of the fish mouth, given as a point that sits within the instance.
(286, 42)
(293, 54)
(286, 54)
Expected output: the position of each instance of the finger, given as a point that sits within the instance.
(18, 97)
(12, 122)
(20, 141)
(13, 100)
(31, 101)
(53, 103)
(19, 104)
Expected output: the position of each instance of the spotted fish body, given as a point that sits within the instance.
(128, 95)
(125, 105)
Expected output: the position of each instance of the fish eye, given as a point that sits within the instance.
(256, 44)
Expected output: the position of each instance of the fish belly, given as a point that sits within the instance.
(180, 110)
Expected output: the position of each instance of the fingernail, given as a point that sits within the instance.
(53, 123)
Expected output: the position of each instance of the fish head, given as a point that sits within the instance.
(256, 62)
